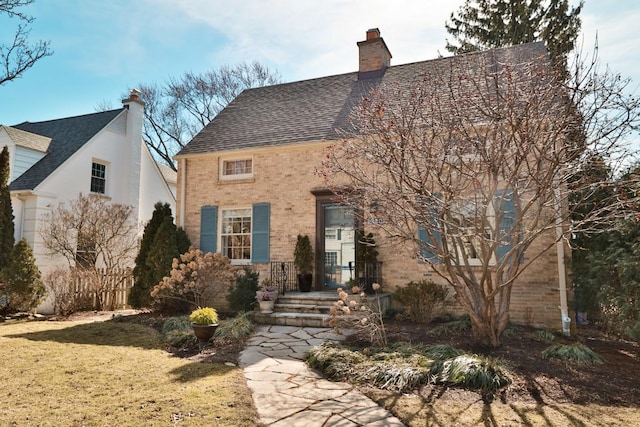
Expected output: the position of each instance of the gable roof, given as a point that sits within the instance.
(318, 109)
(27, 139)
(66, 135)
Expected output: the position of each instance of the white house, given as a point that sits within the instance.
(101, 153)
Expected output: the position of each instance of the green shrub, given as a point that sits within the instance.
(572, 352)
(23, 284)
(238, 327)
(420, 299)
(242, 295)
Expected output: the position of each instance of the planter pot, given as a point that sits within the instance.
(203, 332)
(305, 281)
(266, 306)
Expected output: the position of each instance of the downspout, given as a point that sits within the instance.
(183, 186)
(562, 270)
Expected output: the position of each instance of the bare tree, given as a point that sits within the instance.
(176, 111)
(19, 55)
(97, 238)
(471, 165)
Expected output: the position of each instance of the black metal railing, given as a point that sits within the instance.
(283, 276)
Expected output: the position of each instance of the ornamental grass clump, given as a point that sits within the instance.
(177, 332)
(360, 312)
(404, 367)
(238, 327)
(577, 352)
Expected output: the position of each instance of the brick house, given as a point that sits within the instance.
(247, 184)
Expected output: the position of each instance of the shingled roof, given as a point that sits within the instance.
(318, 109)
(67, 136)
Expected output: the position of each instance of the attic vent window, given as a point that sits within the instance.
(98, 178)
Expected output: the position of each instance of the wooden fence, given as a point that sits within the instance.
(109, 292)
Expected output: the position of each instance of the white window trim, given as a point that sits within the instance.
(107, 172)
(237, 177)
(220, 233)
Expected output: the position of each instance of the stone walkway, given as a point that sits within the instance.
(287, 393)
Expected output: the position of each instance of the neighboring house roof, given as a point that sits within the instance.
(66, 135)
(27, 139)
(169, 175)
(317, 109)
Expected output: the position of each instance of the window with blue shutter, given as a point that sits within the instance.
(427, 246)
(208, 229)
(507, 222)
(260, 233)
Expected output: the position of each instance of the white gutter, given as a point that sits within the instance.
(183, 173)
(562, 270)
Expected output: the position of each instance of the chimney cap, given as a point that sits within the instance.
(373, 33)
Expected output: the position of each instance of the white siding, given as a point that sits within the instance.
(23, 159)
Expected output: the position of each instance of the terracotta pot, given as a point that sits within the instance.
(204, 332)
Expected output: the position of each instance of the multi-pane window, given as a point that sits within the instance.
(236, 234)
(98, 178)
(469, 228)
(237, 168)
(86, 254)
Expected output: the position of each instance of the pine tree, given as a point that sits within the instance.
(163, 250)
(486, 24)
(23, 282)
(6, 212)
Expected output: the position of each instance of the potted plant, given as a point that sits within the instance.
(204, 322)
(303, 260)
(266, 296)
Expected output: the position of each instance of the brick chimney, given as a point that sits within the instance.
(374, 56)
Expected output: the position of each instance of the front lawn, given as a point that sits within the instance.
(112, 374)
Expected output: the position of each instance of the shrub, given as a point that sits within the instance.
(204, 316)
(572, 352)
(360, 312)
(23, 284)
(67, 298)
(242, 295)
(420, 299)
(196, 280)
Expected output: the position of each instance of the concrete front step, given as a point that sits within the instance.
(301, 309)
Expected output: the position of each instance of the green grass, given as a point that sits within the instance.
(112, 373)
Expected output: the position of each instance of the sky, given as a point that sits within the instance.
(104, 48)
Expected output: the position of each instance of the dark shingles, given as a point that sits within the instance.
(317, 109)
(67, 136)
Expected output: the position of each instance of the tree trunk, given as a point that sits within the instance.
(488, 326)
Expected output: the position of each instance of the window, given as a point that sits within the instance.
(85, 252)
(236, 169)
(236, 234)
(98, 178)
(470, 228)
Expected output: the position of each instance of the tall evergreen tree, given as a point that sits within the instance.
(150, 266)
(6, 212)
(485, 24)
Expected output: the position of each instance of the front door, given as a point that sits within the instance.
(337, 243)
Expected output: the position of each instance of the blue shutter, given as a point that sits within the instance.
(432, 219)
(209, 229)
(260, 233)
(507, 222)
